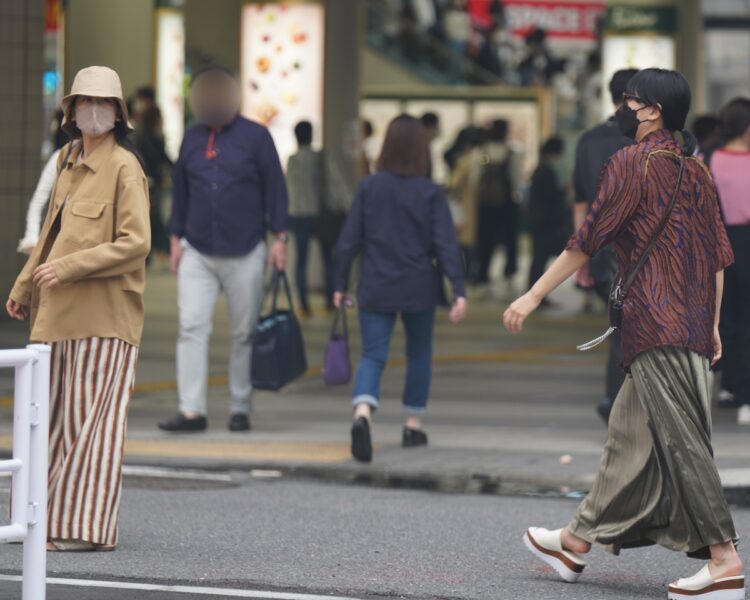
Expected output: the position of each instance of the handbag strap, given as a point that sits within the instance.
(276, 279)
(340, 316)
(652, 242)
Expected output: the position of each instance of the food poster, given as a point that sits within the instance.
(282, 69)
(170, 73)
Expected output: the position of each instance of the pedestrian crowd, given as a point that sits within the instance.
(659, 229)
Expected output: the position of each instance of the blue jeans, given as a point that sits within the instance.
(376, 329)
(304, 230)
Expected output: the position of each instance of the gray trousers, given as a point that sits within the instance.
(200, 280)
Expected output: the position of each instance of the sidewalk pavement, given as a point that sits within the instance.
(506, 415)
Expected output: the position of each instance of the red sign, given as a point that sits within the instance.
(572, 20)
(51, 15)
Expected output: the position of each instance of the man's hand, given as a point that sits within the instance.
(458, 310)
(175, 253)
(277, 255)
(16, 311)
(45, 277)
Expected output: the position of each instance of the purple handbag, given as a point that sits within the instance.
(337, 368)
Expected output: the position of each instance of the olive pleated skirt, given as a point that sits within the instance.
(657, 482)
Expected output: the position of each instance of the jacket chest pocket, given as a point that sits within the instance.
(86, 225)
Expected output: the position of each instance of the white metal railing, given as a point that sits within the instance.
(28, 510)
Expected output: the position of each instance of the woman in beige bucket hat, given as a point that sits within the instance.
(82, 287)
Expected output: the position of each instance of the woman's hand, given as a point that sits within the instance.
(458, 310)
(517, 312)
(717, 347)
(342, 299)
(45, 277)
(16, 311)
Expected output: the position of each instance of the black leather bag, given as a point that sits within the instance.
(278, 347)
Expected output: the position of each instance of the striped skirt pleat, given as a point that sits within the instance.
(91, 385)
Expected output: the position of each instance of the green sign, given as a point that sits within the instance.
(623, 18)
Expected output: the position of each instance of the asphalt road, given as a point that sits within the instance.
(294, 537)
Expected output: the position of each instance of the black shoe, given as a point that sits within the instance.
(181, 423)
(239, 422)
(361, 440)
(604, 408)
(413, 438)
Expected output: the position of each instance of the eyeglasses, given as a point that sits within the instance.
(626, 97)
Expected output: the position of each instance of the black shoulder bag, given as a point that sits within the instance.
(620, 288)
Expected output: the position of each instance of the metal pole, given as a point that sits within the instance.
(21, 438)
(35, 547)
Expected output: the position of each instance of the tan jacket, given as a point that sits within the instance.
(97, 236)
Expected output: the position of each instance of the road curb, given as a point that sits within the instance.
(382, 476)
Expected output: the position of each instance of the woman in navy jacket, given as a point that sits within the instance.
(401, 225)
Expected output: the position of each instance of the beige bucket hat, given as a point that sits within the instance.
(97, 82)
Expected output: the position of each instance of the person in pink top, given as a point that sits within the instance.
(730, 166)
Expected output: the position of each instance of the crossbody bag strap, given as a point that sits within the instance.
(654, 238)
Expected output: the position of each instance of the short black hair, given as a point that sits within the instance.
(498, 131)
(430, 119)
(303, 131)
(553, 146)
(667, 89)
(146, 92)
(704, 126)
(735, 118)
(618, 85)
(211, 69)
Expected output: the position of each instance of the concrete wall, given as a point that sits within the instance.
(212, 33)
(344, 29)
(112, 33)
(21, 121)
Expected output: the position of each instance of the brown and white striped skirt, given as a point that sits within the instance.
(91, 384)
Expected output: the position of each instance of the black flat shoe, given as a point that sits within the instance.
(412, 438)
(182, 424)
(239, 422)
(361, 440)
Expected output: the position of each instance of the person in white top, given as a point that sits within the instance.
(39, 201)
(36, 211)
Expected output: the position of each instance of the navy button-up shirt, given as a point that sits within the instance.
(224, 205)
(399, 225)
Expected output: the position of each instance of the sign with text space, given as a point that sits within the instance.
(571, 20)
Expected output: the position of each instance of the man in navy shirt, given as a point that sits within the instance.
(594, 149)
(229, 190)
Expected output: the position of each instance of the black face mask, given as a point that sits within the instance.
(627, 120)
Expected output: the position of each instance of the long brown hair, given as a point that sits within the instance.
(405, 149)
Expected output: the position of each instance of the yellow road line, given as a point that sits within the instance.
(505, 356)
(211, 448)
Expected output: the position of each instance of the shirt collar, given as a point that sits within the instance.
(94, 160)
(660, 136)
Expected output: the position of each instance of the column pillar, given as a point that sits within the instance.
(21, 121)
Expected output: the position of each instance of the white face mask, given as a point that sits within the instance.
(95, 119)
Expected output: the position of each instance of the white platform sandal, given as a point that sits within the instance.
(702, 586)
(546, 545)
